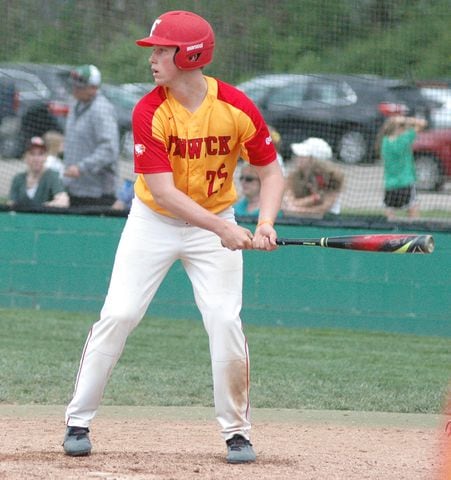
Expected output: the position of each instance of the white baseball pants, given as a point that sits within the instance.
(149, 245)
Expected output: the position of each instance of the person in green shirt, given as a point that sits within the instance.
(397, 137)
(37, 186)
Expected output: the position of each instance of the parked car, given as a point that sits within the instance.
(9, 97)
(432, 151)
(9, 106)
(45, 94)
(345, 110)
(44, 102)
(30, 88)
(439, 92)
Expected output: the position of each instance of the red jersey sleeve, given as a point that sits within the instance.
(257, 145)
(150, 151)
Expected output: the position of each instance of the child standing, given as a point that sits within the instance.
(398, 135)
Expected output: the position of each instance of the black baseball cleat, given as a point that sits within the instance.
(76, 442)
(239, 450)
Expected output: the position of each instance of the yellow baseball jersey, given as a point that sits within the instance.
(201, 149)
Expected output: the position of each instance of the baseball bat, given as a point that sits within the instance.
(389, 243)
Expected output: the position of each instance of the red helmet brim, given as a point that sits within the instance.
(154, 40)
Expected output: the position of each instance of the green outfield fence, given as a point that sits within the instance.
(63, 262)
(404, 40)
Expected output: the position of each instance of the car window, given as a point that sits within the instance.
(330, 93)
(62, 85)
(58, 81)
(29, 86)
(292, 95)
(313, 93)
(408, 93)
(261, 87)
(30, 90)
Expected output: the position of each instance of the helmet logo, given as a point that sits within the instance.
(194, 47)
(154, 26)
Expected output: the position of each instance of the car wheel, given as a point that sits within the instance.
(352, 147)
(429, 172)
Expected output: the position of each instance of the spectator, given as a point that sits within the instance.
(37, 186)
(125, 195)
(314, 185)
(276, 139)
(54, 142)
(249, 203)
(397, 136)
(91, 145)
(242, 164)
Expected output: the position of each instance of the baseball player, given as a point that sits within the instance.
(189, 133)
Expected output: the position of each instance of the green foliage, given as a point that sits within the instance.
(402, 38)
(124, 62)
(405, 49)
(166, 362)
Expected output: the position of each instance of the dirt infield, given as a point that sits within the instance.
(168, 443)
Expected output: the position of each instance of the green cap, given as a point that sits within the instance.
(85, 75)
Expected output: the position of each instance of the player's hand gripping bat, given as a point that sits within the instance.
(389, 243)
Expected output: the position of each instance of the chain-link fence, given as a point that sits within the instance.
(334, 69)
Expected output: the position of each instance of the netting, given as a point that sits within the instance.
(331, 69)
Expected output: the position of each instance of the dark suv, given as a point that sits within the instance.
(9, 101)
(44, 95)
(8, 97)
(345, 110)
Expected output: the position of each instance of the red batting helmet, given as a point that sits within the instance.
(190, 33)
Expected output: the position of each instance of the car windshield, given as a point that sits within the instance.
(57, 80)
(258, 88)
(292, 95)
(28, 85)
(408, 93)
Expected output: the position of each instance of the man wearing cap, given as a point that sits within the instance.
(313, 187)
(37, 186)
(91, 144)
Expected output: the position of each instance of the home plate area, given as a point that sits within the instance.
(289, 445)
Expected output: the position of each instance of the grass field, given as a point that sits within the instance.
(166, 362)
